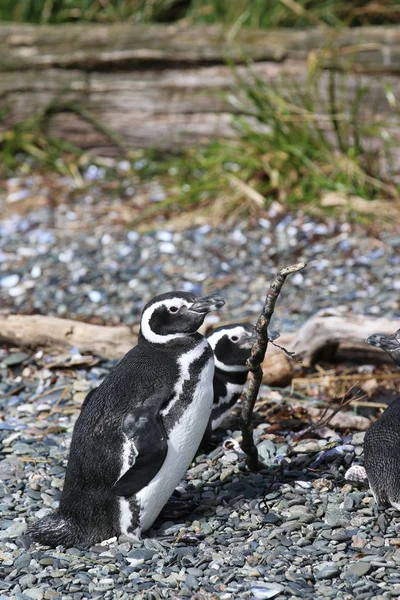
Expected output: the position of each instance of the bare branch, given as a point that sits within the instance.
(254, 363)
(326, 418)
(285, 351)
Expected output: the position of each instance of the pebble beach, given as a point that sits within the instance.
(295, 529)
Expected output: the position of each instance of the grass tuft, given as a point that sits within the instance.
(296, 144)
(234, 13)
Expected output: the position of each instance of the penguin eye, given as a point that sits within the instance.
(173, 309)
(234, 338)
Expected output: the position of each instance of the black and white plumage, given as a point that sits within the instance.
(390, 343)
(139, 430)
(231, 345)
(382, 440)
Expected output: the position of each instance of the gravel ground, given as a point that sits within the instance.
(297, 529)
(78, 259)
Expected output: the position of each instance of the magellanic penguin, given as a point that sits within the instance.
(231, 345)
(139, 430)
(390, 343)
(382, 440)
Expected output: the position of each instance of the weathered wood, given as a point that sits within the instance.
(161, 85)
(60, 335)
(100, 47)
(330, 332)
(327, 335)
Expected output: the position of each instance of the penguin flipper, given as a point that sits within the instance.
(151, 442)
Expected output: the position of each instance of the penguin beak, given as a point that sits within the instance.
(252, 337)
(380, 340)
(206, 304)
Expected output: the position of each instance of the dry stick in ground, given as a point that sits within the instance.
(254, 363)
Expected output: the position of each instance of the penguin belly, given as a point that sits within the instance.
(183, 442)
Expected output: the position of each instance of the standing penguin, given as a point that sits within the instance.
(382, 440)
(231, 345)
(139, 430)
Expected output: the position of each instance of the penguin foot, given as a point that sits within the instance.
(175, 509)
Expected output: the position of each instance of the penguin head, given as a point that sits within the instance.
(232, 345)
(390, 343)
(385, 341)
(175, 315)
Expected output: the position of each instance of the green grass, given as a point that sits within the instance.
(236, 13)
(27, 145)
(294, 145)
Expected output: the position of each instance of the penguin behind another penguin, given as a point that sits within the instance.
(139, 430)
(231, 345)
(382, 440)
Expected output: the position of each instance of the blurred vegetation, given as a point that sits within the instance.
(253, 13)
(294, 144)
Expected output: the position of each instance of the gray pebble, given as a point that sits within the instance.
(35, 593)
(22, 560)
(326, 570)
(358, 569)
(16, 358)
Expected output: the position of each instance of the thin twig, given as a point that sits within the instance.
(325, 419)
(287, 352)
(54, 408)
(254, 363)
(12, 392)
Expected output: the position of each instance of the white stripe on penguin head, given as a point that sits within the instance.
(147, 331)
(213, 340)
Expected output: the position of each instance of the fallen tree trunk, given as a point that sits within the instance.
(328, 335)
(56, 335)
(104, 87)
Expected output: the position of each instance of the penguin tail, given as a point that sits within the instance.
(56, 530)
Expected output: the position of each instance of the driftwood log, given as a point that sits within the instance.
(328, 335)
(103, 87)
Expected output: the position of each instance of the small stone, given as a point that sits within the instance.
(9, 281)
(35, 593)
(51, 594)
(27, 581)
(306, 447)
(226, 473)
(326, 570)
(16, 358)
(16, 529)
(21, 448)
(322, 485)
(266, 452)
(358, 542)
(336, 517)
(191, 581)
(394, 541)
(358, 569)
(105, 584)
(22, 560)
(265, 592)
(167, 248)
(95, 296)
